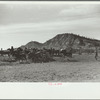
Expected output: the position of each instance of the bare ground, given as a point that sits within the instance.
(80, 68)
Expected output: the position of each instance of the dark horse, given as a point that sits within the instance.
(40, 56)
(19, 54)
(67, 52)
(5, 52)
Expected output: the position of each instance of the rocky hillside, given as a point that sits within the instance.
(65, 40)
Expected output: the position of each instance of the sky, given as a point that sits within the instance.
(22, 22)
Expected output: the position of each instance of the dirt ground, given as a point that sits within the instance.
(80, 68)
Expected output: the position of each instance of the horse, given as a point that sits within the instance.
(39, 56)
(66, 52)
(56, 52)
(5, 52)
(19, 55)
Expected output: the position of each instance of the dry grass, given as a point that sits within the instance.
(81, 68)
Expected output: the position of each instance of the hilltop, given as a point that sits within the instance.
(65, 40)
(32, 44)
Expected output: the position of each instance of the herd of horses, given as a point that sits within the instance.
(34, 54)
(41, 55)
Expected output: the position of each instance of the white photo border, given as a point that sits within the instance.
(37, 90)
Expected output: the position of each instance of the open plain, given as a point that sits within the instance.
(80, 68)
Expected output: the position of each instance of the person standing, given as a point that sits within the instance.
(96, 54)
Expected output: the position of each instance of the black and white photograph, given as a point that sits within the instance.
(49, 42)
